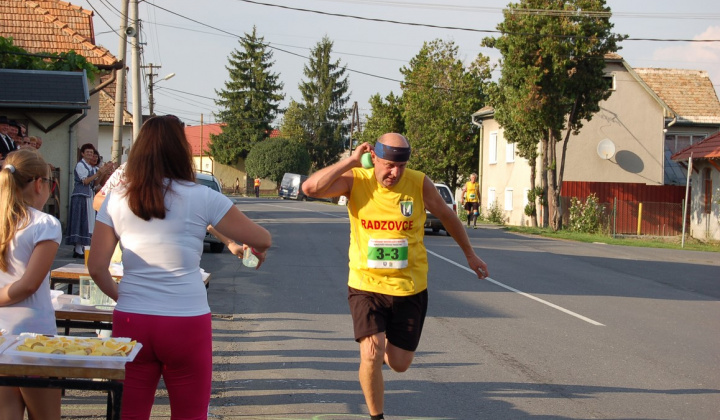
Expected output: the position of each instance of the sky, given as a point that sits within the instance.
(194, 40)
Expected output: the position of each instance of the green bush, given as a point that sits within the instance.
(273, 157)
(495, 214)
(585, 217)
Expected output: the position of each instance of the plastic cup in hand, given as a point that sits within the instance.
(249, 259)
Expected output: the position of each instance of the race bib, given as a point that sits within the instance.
(472, 196)
(387, 253)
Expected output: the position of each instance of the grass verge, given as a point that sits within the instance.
(670, 242)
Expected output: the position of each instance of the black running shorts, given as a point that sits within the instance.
(401, 318)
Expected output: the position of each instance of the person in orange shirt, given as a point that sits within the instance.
(257, 187)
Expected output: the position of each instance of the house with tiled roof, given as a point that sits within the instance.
(45, 26)
(622, 154)
(54, 27)
(704, 217)
(199, 137)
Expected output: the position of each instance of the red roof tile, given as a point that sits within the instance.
(193, 135)
(52, 26)
(706, 149)
(689, 93)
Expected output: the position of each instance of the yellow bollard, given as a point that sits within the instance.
(639, 217)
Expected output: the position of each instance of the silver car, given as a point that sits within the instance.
(208, 180)
(433, 222)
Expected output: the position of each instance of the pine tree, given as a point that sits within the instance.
(323, 107)
(249, 102)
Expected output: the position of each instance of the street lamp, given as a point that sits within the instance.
(151, 84)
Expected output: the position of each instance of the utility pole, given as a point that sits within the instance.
(354, 123)
(120, 87)
(135, 69)
(201, 141)
(151, 83)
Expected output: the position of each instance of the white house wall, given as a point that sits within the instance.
(634, 121)
(509, 180)
(105, 140)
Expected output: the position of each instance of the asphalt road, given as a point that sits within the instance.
(562, 330)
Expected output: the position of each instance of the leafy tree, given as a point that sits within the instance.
(273, 157)
(13, 57)
(439, 95)
(324, 111)
(386, 117)
(249, 102)
(552, 77)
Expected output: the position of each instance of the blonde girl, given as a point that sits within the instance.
(29, 240)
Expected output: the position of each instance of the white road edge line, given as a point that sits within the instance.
(504, 286)
(527, 295)
(343, 216)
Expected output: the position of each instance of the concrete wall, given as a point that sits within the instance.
(105, 140)
(633, 120)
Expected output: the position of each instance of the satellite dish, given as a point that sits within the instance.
(606, 149)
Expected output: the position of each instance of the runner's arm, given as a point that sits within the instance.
(335, 180)
(452, 224)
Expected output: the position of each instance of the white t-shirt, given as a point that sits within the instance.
(161, 258)
(36, 313)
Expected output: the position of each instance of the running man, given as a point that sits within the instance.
(387, 290)
(471, 200)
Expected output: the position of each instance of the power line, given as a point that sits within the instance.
(268, 44)
(102, 17)
(188, 93)
(456, 28)
(486, 9)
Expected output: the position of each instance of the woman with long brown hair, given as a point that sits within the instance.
(159, 216)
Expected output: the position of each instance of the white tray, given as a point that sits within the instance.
(92, 308)
(13, 351)
(5, 342)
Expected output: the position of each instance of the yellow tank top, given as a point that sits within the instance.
(471, 192)
(387, 254)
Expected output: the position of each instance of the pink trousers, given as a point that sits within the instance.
(179, 349)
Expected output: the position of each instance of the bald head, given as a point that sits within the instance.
(394, 140)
